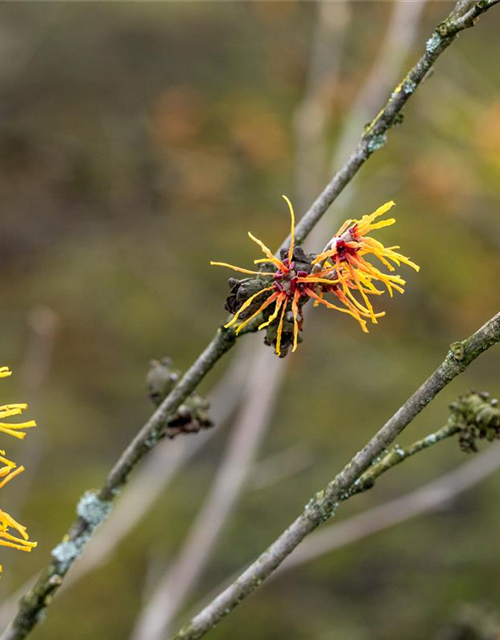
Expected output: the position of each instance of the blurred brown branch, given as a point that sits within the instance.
(312, 115)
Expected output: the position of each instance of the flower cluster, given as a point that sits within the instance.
(12, 534)
(278, 291)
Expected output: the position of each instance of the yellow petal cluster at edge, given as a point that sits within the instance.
(12, 533)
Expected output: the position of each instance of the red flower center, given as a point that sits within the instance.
(288, 281)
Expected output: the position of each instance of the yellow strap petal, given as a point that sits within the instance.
(274, 315)
(264, 305)
(366, 223)
(11, 475)
(245, 305)
(280, 330)
(266, 251)
(241, 269)
(292, 229)
(295, 311)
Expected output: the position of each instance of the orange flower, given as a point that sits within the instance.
(340, 269)
(288, 286)
(344, 257)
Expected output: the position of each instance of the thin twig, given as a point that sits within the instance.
(426, 498)
(375, 133)
(398, 454)
(429, 497)
(324, 504)
(374, 137)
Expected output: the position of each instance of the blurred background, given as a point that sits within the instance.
(138, 141)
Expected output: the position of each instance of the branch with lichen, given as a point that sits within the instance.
(325, 503)
(463, 16)
(470, 412)
(484, 420)
(181, 577)
(94, 507)
(472, 417)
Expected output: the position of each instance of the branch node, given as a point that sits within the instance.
(457, 351)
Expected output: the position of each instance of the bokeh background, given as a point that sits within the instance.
(140, 140)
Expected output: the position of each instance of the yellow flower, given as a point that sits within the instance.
(12, 533)
(341, 269)
(344, 257)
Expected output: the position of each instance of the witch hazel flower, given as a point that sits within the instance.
(12, 533)
(345, 259)
(276, 293)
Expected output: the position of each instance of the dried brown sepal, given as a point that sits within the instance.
(190, 417)
(242, 290)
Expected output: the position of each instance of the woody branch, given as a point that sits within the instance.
(324, 504)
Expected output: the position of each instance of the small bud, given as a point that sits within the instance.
(161, 379)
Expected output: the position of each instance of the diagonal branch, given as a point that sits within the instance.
(324, 504)
(266, 374)
(148, 484)
(398, 454)
(93, 509)
(375, 134)
(184, 573)
(472, 416)
(473, 409)
(434, 495)
(312, 116)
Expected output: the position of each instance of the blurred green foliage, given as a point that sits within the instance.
(137, 142)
